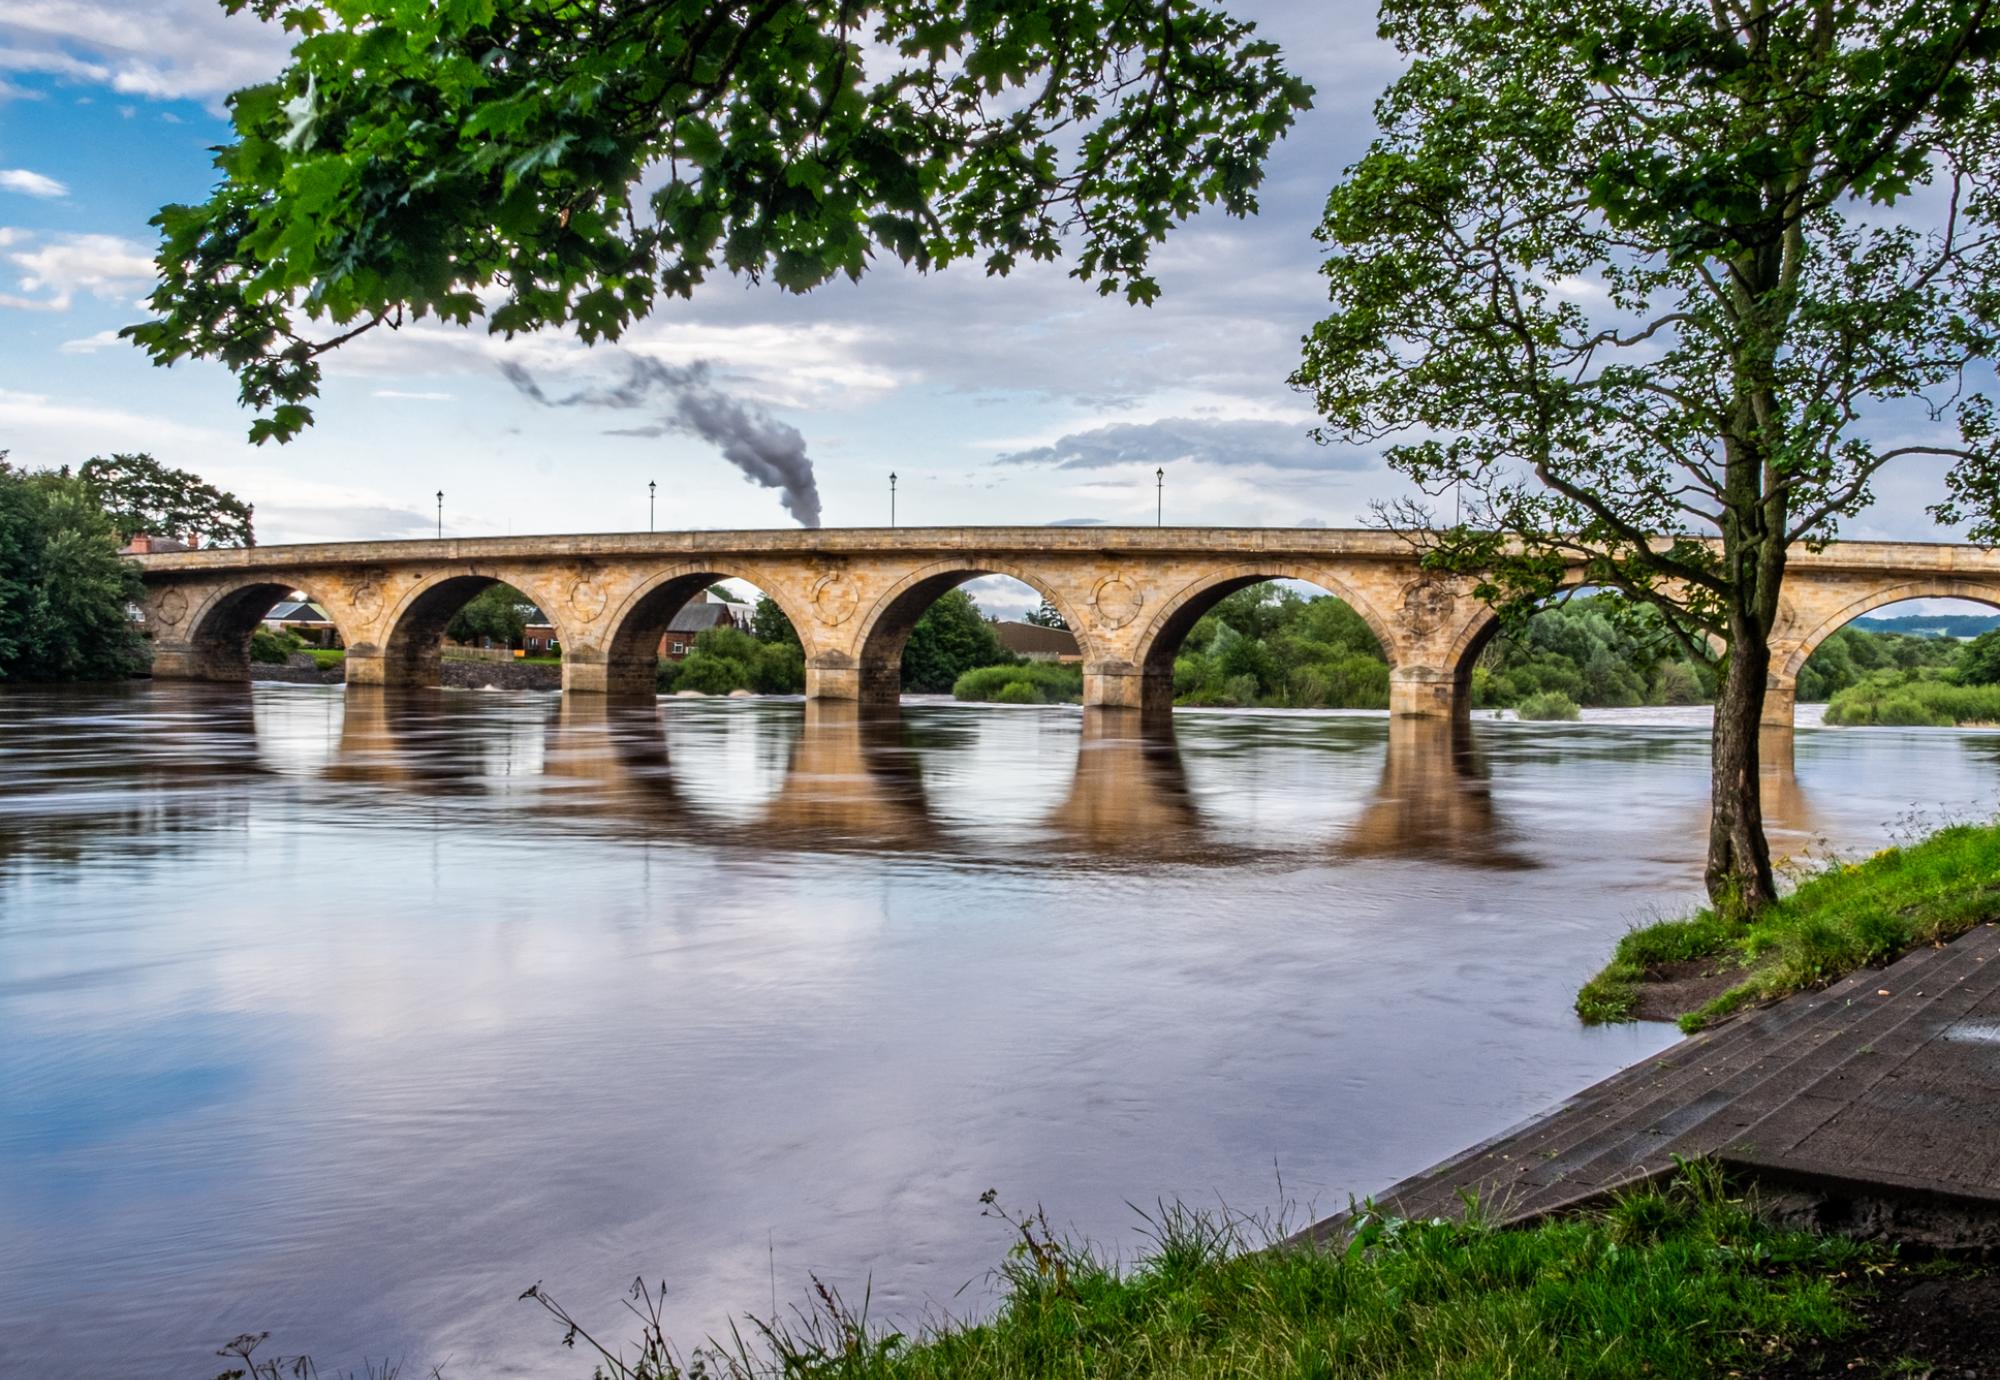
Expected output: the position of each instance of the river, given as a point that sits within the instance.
(349, 1016)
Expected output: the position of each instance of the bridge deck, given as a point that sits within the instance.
(1874, 1103)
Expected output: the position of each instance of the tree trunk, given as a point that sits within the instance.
(1739, 858)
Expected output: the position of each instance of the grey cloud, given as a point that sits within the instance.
(766, 450)
(1076, 522)
(1273, 445)
(1310, 522)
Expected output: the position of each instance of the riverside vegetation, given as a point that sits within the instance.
(1271, 647)
(1683, 1280)
(1842, 917)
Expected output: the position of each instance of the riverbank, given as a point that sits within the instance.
(1702, 969)
(455, 674)
(1683, 1280)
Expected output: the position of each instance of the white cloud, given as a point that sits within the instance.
(30, 183)
(163, 49)
(413, 397)
(91, 344)
(59, 267)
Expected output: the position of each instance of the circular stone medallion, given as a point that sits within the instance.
(1117, 601)
(367, 598)
(173, 604)
(1426, 606)
(587, 598)
(834, 599)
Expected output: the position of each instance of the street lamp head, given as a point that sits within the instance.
(1160, 474)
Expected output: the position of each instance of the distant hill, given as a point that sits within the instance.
(1932, 625)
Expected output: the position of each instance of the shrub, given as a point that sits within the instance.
(1547, 705)
(1049, 682)
(274, 648)
(668, 677)
(712, 675)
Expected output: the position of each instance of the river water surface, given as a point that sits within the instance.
(348, 1016)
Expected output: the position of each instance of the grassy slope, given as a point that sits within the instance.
(1836, 921)
(1679, 1283)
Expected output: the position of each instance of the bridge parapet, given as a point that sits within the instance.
(1129, 594)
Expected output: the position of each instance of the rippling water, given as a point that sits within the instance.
(348, 1016)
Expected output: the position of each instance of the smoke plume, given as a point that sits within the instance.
(686, 403)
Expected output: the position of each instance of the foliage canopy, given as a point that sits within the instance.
(65, 592)
(561, 163)
(142, 495)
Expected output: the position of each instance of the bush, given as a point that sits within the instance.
(274, 648)
(1046, 681)
(1547, 706)
(712, 675)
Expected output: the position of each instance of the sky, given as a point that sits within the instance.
(1019, 400)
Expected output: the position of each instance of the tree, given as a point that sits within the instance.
(494, 614)
(769, 624)
(142, 495)
(1644, 279)
(1044, 615)
(65, 592)
(1979, 660)
(952, 637)
(589, 158)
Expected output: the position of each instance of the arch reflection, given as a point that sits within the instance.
(853, 779)
(1434, 801)
(1130, 796)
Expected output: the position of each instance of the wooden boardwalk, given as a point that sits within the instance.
(1872, 1106)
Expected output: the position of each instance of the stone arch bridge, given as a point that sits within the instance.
(1129, 594)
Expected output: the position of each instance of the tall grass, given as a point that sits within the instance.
(1680, 1281)
(1843, 917)
(1889, 699)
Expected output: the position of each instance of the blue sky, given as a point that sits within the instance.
(1023, 400)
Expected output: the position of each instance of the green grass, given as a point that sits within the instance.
(1680, 1281)
(1844, 917)
(328, 657)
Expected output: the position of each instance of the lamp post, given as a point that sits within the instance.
(440, 514)
(892, 498)
(1159, 497)
(651, 489)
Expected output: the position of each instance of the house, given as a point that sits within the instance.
(301, 616)
(1033, 642)
(145, 544)
(694, 618)
(697, 617)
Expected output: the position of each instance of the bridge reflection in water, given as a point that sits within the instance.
(853, 778)
(821, 776)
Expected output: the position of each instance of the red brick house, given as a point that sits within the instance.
(695, 618)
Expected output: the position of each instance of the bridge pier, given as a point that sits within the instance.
(1781, 703)
(1424, 692)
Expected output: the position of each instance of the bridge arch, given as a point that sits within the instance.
(1161, 641)
(1790, 655)
(220, 625)
(411, 651)
(884, 630)
(632, 631)
(1815, 614)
